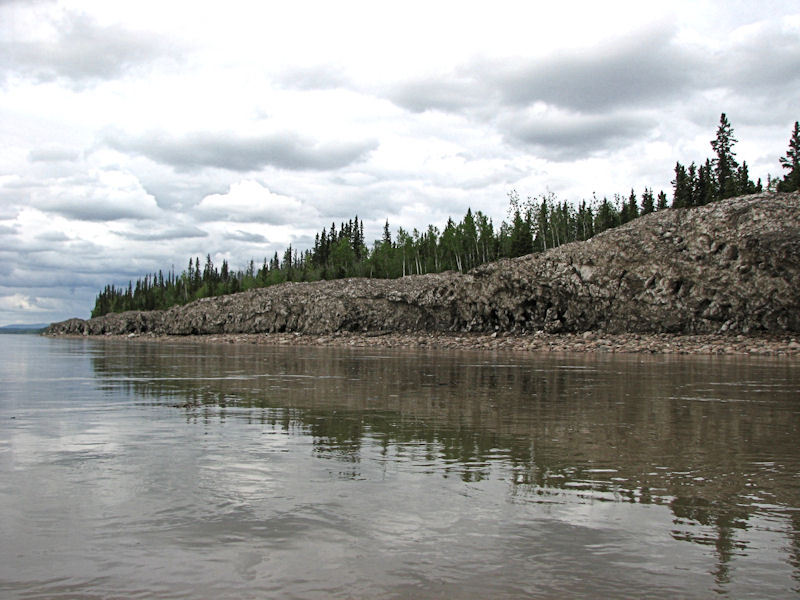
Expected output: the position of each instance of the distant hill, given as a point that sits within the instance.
(24, 328)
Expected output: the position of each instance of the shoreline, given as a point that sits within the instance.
(787, 345)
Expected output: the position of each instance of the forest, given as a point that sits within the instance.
(534, 224)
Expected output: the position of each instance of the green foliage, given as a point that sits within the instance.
(648, 202)
(661, 202)
(716, 179)
(536, 225)
(703, 185)
(791, 162)
(725, 165)
(681, 187)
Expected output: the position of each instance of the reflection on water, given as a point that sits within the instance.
(321, 472)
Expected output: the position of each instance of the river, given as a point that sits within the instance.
(135, 469)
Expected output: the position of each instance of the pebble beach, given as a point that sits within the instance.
(706, 344)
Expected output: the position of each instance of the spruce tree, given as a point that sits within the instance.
(387, 235)
(606, 216)
(648, 202)
(520, 235)
(704, 185)
(633, 207)
(681, 188)
(743, 183)
(725, 165)
(791, 162)
(691, 175)
(224, 272)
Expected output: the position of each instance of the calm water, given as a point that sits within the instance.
(137, 470)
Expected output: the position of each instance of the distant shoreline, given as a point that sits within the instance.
(589, 342)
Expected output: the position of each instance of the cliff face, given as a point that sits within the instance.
(729, 266)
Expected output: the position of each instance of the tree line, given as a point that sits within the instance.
(534, 224)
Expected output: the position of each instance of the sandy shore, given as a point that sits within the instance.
(767, 345)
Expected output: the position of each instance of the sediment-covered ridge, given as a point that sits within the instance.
(730, 266)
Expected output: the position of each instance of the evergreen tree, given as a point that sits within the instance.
(521, 235)
(791, 162)
(624, 217)
(648, 202)
(342, 258)
(606, 216)
(387, 235)
(633, 207)
(357, 239)
(224, 272)
(704, 185)
(469, 234)
(681, 188)
(661, 202)
(287, 265)
(743, 183)
(725, 165)
(691, 175)
(487, 242)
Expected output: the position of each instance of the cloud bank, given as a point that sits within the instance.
(224, 150)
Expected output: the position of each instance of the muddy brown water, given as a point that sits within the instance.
(169, 470)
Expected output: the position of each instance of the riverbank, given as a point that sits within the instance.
(727, 268)
(707, 344)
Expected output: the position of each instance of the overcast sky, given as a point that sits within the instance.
(138, 134)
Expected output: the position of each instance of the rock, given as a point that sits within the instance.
(635, 278)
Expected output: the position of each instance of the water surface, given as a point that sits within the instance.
(132, 469)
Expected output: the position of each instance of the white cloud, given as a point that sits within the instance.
(18, 303)
(53, 153)
(98, 195)
(250, 202)
(161, 234)
(246, 236)
(566, 136)
(225, 150)
(73, 48)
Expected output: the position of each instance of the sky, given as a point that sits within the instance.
(134, 135)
